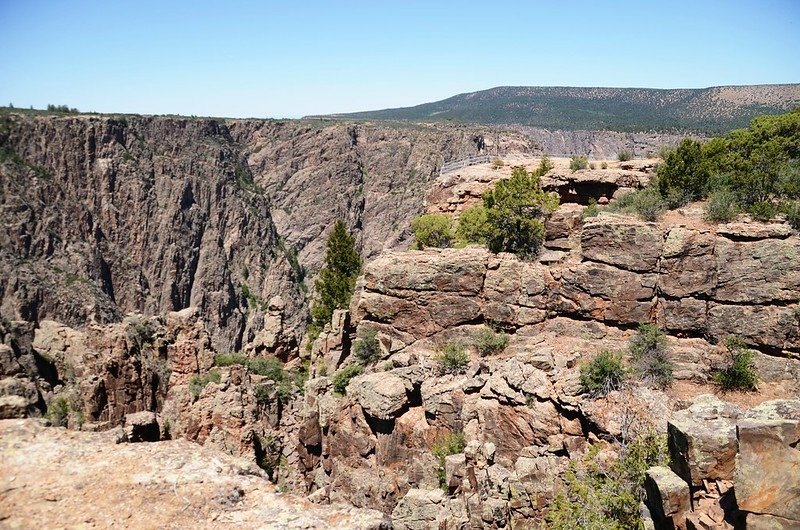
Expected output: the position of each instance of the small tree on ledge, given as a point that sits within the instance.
(337, 279)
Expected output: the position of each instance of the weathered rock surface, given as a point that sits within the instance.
(55, 478)
(155, 215)
(767, 479)
(702, 440)
(668, 497)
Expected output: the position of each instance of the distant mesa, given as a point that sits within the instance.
(705, 110)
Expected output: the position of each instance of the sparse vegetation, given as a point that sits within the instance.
(721, 207)
(262, 393)
(337, 279)
(605, 493)
(271, 368)
(624, 155)
(58, 412)
(62, 109)
(578, 162)
(740, 372)
(343, 376)
(762, 211)
(591, 210)
(489, 341)
(648, 348)
(452, 358)
(603, 374)
(604, 165)
(253, 301)
(497, 163)
(367, 347)
(432, 230)
(229, 359)
(198, 382)
(449, 444)
(647, 203)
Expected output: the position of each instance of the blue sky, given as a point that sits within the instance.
(292, 58)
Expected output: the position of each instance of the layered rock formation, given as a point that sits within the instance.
(103, 216)
(206, 228)
(522, 413)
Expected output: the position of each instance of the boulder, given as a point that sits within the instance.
(418, 510)
(767, 478)
(381, 395)
(142, 427)
(668, 496)
(702, 440)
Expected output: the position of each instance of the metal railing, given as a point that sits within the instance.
(449, 167)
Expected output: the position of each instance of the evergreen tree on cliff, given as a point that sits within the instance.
(337, 279)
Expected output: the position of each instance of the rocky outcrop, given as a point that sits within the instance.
(767, 478)
(730, 466)
(702, 440)
(57, 477)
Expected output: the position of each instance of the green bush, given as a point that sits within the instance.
(740, 373)
(263, 393)
(604, 493)
(473, 225)
(578, 162)
(229, 359)
(58, 412)
(648, 348)
(603, 374)
(647, 203)
(489, 342)
(545, 165)
(721, 207)
(343, 376)
(449, 444)
(497, 163)
(452, 358)
(337, 280)
(762, 211)
(198, 382)
(789, 179)
(591, 210)
(514, 209)
(271, 368)
(432, 230)
(604, 165)
(685, 170)
(367, 347)
(624, 155)
(791, 209)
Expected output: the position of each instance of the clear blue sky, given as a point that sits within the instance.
(297, 57)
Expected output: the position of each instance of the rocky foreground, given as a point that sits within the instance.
(53, 477)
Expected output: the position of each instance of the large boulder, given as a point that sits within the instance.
(668, 496)
(381, 395)
(419, 510)
(767, 478)
(702, 440)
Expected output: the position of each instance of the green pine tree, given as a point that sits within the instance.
(337, 279)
